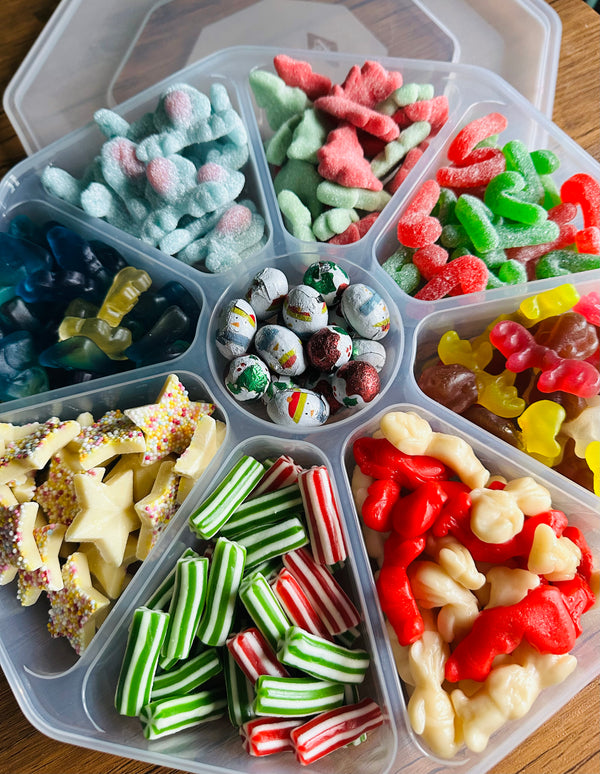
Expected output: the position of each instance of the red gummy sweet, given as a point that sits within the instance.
(562, 214)
(300, 74)
(466, 274)
(478, 169)
(338, 105)
(430, 260)
(371, 83)
(341, 160)
(588, 240)
(473, 133)
(355, 231)
(411, 158)
(416, 228)
(435, 111)
(589, 307)
(584, 190)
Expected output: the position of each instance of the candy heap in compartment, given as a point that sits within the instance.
(173, 178)
(493, 216)
(83, 501)
(254, 624)
(483, 583)
(531, 378)
(307, 351)
(338, 152)
(72, 310)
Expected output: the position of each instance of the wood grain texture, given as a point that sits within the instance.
(568, 743)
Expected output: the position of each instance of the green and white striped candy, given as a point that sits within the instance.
(146, 636)
(229, 494)
(264, 510)
(264, 608)
(188, 676)
(322, 658)
(274, 540)
(225, 575)
(186, 607)
(167, 716)
(269, 569)
(162, 596)
(296, 696)
(240, 691)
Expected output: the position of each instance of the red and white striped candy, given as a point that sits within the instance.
(254, 655)
(331, 603)
(334, 729)
(265, 736)
(322, 516)
(297, 605)
(283, 472)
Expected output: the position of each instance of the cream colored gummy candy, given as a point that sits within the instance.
(433, 587)
(106, 516)
(531, 497)
(413, 435)
(33, 451)
(456, 560)
(155, 510)
(202, 448)
(429, 708)
(508, 693)
(48, 576)
(495, 515)
(556, 558)
(507, 585)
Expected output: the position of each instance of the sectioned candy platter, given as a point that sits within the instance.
(72, 699)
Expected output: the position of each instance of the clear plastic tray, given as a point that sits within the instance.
(93, 55)
(71, 699)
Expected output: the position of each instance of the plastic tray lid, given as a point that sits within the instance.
(93, 55)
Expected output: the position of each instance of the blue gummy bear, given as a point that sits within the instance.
(17, 254)
(153, 303)
(56, 287)
(81, 354)
(20, 374)
(173, 325)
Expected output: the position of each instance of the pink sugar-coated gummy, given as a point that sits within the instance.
(435, 110)
(477, 169)
(235, 221)
(588, 240)
(355, 231)
(410, 160)
(178, 106)
(301, 75)
(467, 274)
(430, 260)
(416, 228)
(123, 152)
(211, 173)
(584, 190)
(370, 84)
(342, 160)
(161, 174)
(473, 133)
(365, 118)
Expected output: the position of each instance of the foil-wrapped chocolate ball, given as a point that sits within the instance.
(328, 279)
(329, 348)
(267, 292)
(247, 378)
(355, 384)
(304, 311)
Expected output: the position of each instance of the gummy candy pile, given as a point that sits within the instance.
(483, 583)
(531, 378)
(83, 501)
(494, 216)
(173, 178)
(72, 310)
(339, 152)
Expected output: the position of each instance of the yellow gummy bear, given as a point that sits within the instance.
(540, 423)
(494, 392)
(547, 304)
(592, 457)
(112, 341)
(123, 294)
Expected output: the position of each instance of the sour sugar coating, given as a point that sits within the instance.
(334, 729)
(254, 654)
(296, 696)
(186, 606)
(226, 497)
(146, 636)
(168, 716)
(327, 597)
(224, 578)
(322, 516)
(322, 658)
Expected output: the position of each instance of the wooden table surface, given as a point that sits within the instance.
(569, 742)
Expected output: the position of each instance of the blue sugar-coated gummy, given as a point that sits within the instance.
(173, 325)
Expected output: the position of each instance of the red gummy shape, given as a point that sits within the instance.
(542, 619)
(478, 169)
(355, 231)
(414, 514)
(588, 240)
(379, 458)
(416, 228)
(300, 74)
(430, 260)
(398, 602)
(339, 106)
(473, 133)
(589, 307)
(562, 214)
(466, 274)
(377, 508)
(584, 190)
(435, 111)
(370, 84)
(411, 158)
(341, 160)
